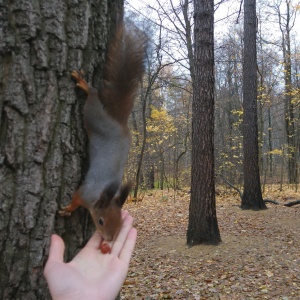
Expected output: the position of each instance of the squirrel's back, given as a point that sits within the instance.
(124, 67)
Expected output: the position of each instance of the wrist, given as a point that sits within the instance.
(87, 295)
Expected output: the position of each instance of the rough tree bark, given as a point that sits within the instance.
(252, 195)
(42, 142)
(203, 225)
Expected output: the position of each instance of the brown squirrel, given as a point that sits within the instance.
(105, 119)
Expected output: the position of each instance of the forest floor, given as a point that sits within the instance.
(259, 257)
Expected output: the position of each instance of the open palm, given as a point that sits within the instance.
(91, 274)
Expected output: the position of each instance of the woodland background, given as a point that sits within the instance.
(43, 144)
(165, 117)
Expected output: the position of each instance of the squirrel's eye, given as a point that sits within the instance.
(101, 222)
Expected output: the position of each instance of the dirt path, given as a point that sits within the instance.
(259, 257)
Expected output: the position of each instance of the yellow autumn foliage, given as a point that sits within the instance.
(160, 122)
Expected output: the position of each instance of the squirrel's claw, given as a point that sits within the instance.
(64, 212)
(81, 83)
(76, 75)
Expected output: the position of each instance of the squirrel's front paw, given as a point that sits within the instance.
(77, 75)
(65, 211)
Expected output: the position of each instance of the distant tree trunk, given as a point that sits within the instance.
(188, 36)
(177, 160)
(270, 144)
(252, 195)
(286, 24)
(161, 166)
(150, 176)
(203, 225)
(231, 120)
(146, 103)
(42, 142)
(143, 146)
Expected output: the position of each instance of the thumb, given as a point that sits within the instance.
(56, 254)
(57, 249)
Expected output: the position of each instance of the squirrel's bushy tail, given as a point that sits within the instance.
(124, 67)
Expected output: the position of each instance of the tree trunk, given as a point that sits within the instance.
(42, 142)
(289, 105)
(252, 195)
(161, 166)
(203, 225)
(188, 36)
(149, 175)
(270, 144)
(146, 103)
(143, 147)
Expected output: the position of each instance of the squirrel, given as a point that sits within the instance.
(105, 118)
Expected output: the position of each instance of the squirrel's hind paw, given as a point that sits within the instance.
(81, 83)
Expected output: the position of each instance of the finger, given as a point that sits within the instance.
(122, 236)
(95, 241)
(124, 214)
(128, 248)
(57, 249)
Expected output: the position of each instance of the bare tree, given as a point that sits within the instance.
(154, 67)
(228, 150)
(286, 23)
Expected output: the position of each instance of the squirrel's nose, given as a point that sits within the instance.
(108, 237)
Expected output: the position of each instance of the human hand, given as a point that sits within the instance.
(91, 274)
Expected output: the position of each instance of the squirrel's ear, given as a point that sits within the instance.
(107, 195)
(125, 190)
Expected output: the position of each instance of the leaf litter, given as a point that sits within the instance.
(259, 257)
